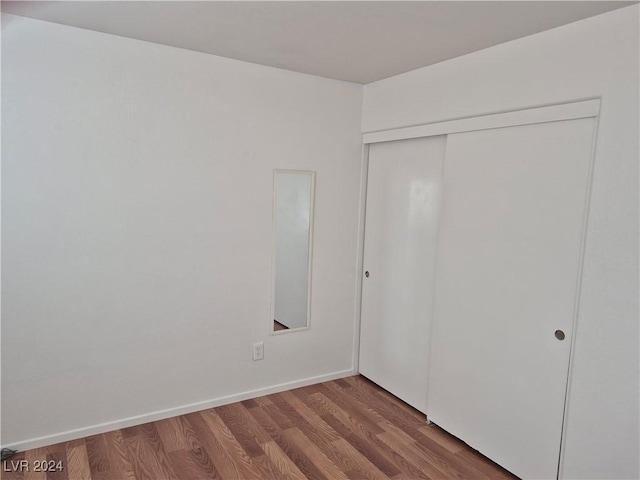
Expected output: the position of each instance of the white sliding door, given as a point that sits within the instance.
(509, 259)
(403, 203)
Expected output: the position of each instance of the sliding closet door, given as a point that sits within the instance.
(403, 203)
(508, 268)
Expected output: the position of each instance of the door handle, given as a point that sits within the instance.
(366, 274)
(559, 334)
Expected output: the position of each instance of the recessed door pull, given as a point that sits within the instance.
(559, 334)
(366, 274)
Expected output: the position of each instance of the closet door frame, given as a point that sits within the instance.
(526, 116)
(589, 108)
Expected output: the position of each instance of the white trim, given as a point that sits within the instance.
(553, 113)
(170, 412)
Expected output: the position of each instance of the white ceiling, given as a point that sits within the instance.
(358, 41)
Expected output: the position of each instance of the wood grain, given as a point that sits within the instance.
(344, 429)
(78, 462)
(287, 468)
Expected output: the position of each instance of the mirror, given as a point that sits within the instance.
(293, 193)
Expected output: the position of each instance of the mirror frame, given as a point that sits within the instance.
(312, 202)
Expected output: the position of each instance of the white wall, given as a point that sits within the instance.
(137, 228)
(593, 57)
(293, 215)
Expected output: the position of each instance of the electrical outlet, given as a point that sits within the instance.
(258, 351)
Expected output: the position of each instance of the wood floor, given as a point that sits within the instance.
(348, 428)
(277, 326)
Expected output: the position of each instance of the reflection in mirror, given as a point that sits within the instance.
(293, 225)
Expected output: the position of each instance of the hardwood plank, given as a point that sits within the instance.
(451, 466)
(183, 462)
(347, 428)
(342, 383)
(230, 444)
(380, 457)
(250, 403)
(317, 456)
(55, 459)
(266, 468)
(363, 467)
(320, 436)
(302, 462)
(442, 438)
(408, 411)
(74, 443)
(309, 389)
(328, 407)
(354, 402)
(409, 455)
(310, 416)
(120, 465)
(359, 412)
(129, 431)
(244, 428)
(385, 455)
(98, 457)
(325, 437)
(220, 458)
(150, 435)
(391, 408)
(78, 461)
(31, 456)
(148, 458)
(294, 418)
(283, 463)
(313, 399)
(266, 422)
(278, 416)
(262, 401)
(197, 451)
(171, 434)
(486, 466)
(188, 466)
(399, 461)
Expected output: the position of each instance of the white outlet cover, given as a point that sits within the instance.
(258, 351)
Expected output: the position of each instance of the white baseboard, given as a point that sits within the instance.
(170, 412)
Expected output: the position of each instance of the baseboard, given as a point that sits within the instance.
(170, 412)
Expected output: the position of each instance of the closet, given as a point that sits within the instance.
(404, 190)
(473, 319)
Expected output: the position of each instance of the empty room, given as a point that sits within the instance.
(320, 240)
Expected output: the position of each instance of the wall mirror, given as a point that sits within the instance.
(293, 196)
